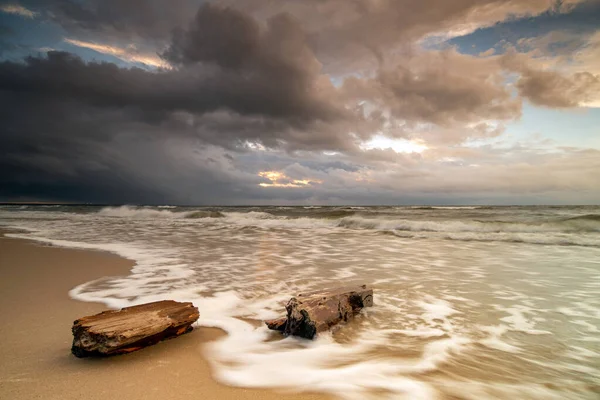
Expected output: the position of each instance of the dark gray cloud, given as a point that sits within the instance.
(5, 44)
(265, 100)
(275, 62)
(196, 90)
(64, 119)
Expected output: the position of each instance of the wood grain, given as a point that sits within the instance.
(131, 328)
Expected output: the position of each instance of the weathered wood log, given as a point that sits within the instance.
(277, 324)
(131, 328)
(311, 313)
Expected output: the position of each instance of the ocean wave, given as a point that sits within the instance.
(544, 234)
(264, 220)
(134, 212)
(204, 214)
(588, 217)
(332, 214)
(250, 216)
(150, 213)
(446, 207)
(467, 225)
(393, 348)
(565, 232)
(357, 219)
(535, 238)
(292, 218)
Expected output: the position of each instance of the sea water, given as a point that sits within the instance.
(470, 302)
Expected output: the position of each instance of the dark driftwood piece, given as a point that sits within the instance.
(131, 328)
(309, 314)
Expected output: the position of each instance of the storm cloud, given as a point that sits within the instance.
(303, 89)
(267, 93)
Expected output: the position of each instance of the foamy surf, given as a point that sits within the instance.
(444, 308)
(581, 230)
(158, 212)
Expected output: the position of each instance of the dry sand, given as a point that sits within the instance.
(35, 337)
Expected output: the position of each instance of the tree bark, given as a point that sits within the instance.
(131, 328)
(311, 313)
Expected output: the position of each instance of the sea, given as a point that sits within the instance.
(470, 302)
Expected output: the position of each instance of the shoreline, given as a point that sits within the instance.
(38, 314)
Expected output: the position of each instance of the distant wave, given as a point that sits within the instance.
(146, 212)
(204, 214)
(588, 217)
(580, 230)
(482, 226)
(332, 214)
(558, 232)
(446, 207)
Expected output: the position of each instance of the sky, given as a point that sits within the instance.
(259, 102)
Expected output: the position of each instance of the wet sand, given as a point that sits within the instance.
(37, 315)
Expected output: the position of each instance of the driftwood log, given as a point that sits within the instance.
(311, 313)
(131, 328)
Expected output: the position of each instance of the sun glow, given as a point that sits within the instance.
(279, 179)
(398, 145)
(128, 54)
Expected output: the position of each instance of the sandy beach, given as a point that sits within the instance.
(36, 336)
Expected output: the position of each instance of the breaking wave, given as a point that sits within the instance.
(579, 232)
(146, 212)
(333, 214)
(448, 207)
(583, 230)
(569, 225)
(204, 214)
(588, 217)
(558, 232)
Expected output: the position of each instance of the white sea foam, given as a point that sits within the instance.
(152, 213)
(574, 231)
(437, 312)
(452, 225)
(245, 357)
(541, 233)
(494, 341)
(137, 212)
(437, 301)
(518, 320)
(423, 332)
(266, 220)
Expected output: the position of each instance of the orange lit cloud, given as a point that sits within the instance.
(128, 54)
(18, 10)
(279, 179)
